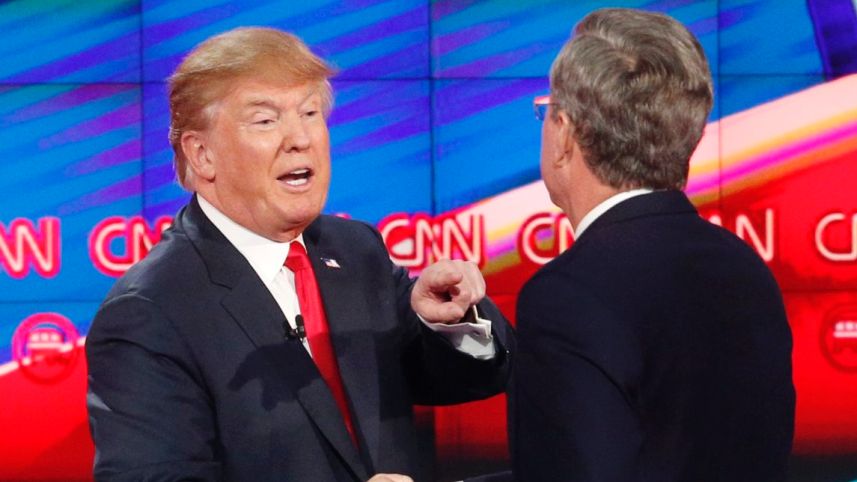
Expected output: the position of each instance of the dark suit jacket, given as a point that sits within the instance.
(655, 349)
(191, 376)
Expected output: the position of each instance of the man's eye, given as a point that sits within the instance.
(264, 121)
(310, 113)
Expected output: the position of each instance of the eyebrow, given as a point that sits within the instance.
(309, 95)
(261, 102)
(270, 104)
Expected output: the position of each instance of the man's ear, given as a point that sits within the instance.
(197, 155)
(565, 136)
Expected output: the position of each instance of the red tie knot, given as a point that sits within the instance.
(297, 258)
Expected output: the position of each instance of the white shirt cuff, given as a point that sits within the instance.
(475, 339)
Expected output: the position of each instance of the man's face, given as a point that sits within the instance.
(270, 149)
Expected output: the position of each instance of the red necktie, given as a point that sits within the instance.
(317, 332)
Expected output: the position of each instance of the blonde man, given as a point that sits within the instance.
(262, 341)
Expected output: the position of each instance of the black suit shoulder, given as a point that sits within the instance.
(172, 266)
(354, 234)
(666, 309)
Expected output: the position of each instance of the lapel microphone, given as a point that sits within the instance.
(296, 333)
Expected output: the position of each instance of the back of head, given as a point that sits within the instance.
(638, 91)
(205, 76)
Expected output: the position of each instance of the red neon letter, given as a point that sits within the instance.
(22, 246)
(136, 235)
(528, 243)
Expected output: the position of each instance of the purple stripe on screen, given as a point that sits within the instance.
(312, 17)
(355, 5)
(728, 18)
(121, 117)
(699, 184)
(491, 64)
(154, 34)
(159, 175)
(128, 151)
(445, 43)
(703, 26)
(157, 149)
(118, 74)
(501, 247)
(443, 8)
(166, 208)
(411, 126)
(835, 30)
(666, 5)
(442, 149)
(465, 102)
(115, 192)
(381, 97)
(341, 8)
(125, 47)
(769, 159)
(789, 151)
(390, 26)
(66, 100)
(401, 63)
(157, 137)
(163, 67)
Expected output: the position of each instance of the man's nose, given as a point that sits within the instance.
(295, 134)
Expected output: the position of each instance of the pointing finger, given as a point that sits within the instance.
(444, 279)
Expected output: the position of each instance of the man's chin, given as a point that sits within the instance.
(297, 224)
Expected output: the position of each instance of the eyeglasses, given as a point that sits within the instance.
(540, 106)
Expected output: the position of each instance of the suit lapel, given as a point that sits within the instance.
(246, 298)
(251, 305)
(352, 339)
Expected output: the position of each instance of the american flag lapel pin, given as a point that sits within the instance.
(331, 263)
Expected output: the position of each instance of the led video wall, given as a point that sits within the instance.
(434, 141)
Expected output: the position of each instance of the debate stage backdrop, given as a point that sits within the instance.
(434, 141)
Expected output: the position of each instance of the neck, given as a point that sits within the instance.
(584, 199)
(246, 221)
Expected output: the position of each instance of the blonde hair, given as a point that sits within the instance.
(206, 74)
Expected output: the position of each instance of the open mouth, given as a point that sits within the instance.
(297, 178)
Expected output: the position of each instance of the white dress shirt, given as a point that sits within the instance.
(266, 257)
(605, 206)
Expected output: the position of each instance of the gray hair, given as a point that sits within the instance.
(638, 91)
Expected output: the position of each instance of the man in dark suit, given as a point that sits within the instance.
(260, 341)
(657, 347)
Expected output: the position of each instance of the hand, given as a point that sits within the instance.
(390, 478)
(446, 290)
